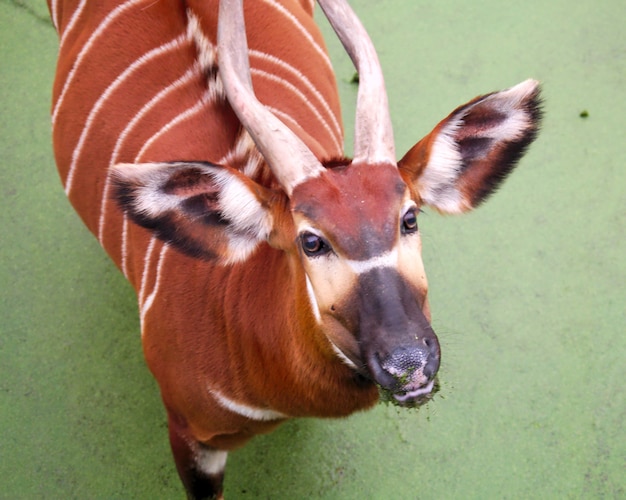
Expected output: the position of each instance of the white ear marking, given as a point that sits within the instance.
(147, 178)
(241, 207)
(248, 218)
(443, 167)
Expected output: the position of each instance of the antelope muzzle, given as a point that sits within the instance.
(397, 342)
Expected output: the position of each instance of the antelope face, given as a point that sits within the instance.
(360, 247)
(356, 226)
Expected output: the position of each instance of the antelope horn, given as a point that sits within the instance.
(373, 135)
(290, 160)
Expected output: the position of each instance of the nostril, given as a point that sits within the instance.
(432, 346)
(430, 370)
(380, 373)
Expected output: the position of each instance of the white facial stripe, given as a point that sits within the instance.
(342, 356)
(246, 411)
(314, 305)
(387, 259)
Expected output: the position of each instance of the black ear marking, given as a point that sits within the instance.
(472, 148)
(190, 206)
(471, 152)
(205, 208)
(506, 154)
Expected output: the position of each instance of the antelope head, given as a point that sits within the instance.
(352, 227)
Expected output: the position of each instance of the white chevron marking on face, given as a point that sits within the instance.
(387, 259)
(314, 305)
(345, 359)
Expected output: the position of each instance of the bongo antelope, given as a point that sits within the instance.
(202, 145)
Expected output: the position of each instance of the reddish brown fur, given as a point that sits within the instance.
(187, 333)
(361, 192)
(247, 330)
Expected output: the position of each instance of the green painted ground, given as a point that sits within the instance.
(528, 293)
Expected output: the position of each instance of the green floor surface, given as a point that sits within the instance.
(528, 293)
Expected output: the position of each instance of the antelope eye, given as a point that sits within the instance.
(409, 222)
(313, 245)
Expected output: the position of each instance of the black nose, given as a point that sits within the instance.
(407, 367)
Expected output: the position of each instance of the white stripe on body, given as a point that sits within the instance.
(306, 35)
(303, 98)
(70, 26)
(298, 75)
(147, 304)
(54, 14)
(204, 101)
(108, 20)
(247, 411)
(188, 113)
(149, 106)
(206, 58)
(284, 117)
(144, 274)
(97, 107)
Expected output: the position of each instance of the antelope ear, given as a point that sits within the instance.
(468, 155)
(204, 210)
